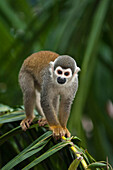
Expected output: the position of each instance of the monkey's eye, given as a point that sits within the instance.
(67, 73)
(59, 71)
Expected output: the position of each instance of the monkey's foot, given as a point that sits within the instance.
(67, 133)
(58, 131)
(42, 122)
(25, 124)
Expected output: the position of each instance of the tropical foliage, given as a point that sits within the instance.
(81, 29)
(35, 148)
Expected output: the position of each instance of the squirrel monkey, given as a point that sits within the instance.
(49, 82)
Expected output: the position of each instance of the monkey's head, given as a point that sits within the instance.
(64, 70)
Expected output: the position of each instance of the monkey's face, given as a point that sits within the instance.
(62, 76)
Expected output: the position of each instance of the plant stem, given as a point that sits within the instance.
(74, 149)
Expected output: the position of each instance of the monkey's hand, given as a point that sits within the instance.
(42, 121)
(67, 133)
(25, 124)
(58, 131)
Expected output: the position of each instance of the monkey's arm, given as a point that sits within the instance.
(65, 106)
(64, 112)
(51, 116)
(48, 109)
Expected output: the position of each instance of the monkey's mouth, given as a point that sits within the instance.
(61, 80)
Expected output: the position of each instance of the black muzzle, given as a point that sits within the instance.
(61, 80)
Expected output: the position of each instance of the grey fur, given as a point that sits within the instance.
(27, 85)
(46, 95)
(65, 61)
(51, 90)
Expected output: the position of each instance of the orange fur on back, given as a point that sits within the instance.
(39, 60)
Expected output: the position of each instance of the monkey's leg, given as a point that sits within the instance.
(27, 85)
(38, 104)
(43, 120)
(64, 112)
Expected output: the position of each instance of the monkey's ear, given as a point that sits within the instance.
(75, 74)
(77, 70)
(51, 69)
(51, 64)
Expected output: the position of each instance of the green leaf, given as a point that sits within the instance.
(76, 141)
(35, 147)
(10, 133)
(97, 165)
(11, 117)
(5, 108)
(50, 152)
(91, 159)
(75, 164)
(11, 15)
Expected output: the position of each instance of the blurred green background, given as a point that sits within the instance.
(82, 29)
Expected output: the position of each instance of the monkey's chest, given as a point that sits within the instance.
(61, 90)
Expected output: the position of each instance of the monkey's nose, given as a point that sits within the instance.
(61, 80)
